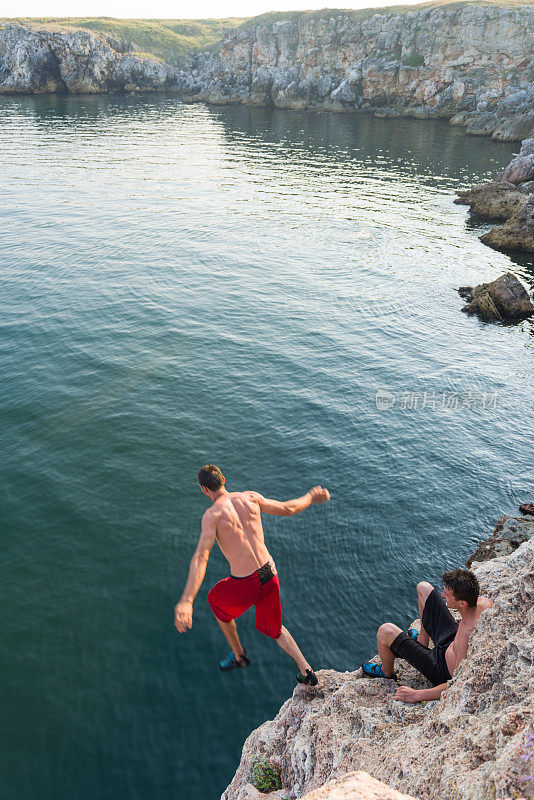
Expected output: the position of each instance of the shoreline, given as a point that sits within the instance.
(189, 101)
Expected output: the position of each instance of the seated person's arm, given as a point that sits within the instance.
(408, 695)
(289, 507)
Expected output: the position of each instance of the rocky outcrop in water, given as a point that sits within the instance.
(505, 298)
(34, 61)
(471, 64)
(475, 743)
(509, 197)
(509, 533)
(517, 233)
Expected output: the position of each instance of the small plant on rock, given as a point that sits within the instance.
(415, 59)
(263, 776)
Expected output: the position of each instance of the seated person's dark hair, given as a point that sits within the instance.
(211, 477)
(464, 584)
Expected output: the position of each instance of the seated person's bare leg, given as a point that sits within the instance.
(287, 643)
(423, 590)
(387, 633)
(230, 631)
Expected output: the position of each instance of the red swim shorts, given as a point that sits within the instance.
(231, 597)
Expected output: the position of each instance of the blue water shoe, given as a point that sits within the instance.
(231, 662)
(373, 669)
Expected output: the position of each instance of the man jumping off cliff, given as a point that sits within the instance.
(234, 519)
(461, 592)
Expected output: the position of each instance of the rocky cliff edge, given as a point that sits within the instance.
(475, 743)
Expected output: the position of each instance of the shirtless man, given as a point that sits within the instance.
(234, 519)
(461, 592)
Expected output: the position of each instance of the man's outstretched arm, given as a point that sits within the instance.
(183, 611)
(290, 507)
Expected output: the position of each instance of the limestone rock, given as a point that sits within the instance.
(458, 119)
(517, 233)
(484, 125)
(35, 61)
(249, 792)
(355, 786)
(519, 169)
(515, 127)
(498, 199)
(527, 148)
(472, 744)
(504, 298)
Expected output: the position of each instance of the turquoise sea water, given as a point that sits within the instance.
(184, 284)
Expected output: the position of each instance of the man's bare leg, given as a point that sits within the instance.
(230, 631)
(423, 590)
(287, 643)
(387, 633)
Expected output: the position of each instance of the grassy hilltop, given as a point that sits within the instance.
(170, 39)
(362, 14)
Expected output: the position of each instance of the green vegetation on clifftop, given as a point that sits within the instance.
(362, 14)
(168, 39)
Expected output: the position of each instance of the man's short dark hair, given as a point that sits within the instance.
(464, 585)
(211, 477)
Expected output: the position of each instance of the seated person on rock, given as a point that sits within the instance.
(461, 592)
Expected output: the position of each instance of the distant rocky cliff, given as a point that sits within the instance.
(472, 64)
(475, 743)
(41, 61)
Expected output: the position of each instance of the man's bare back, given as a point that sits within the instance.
(239, 532)
(236, 517)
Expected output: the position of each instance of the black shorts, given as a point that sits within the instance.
(441, 626)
